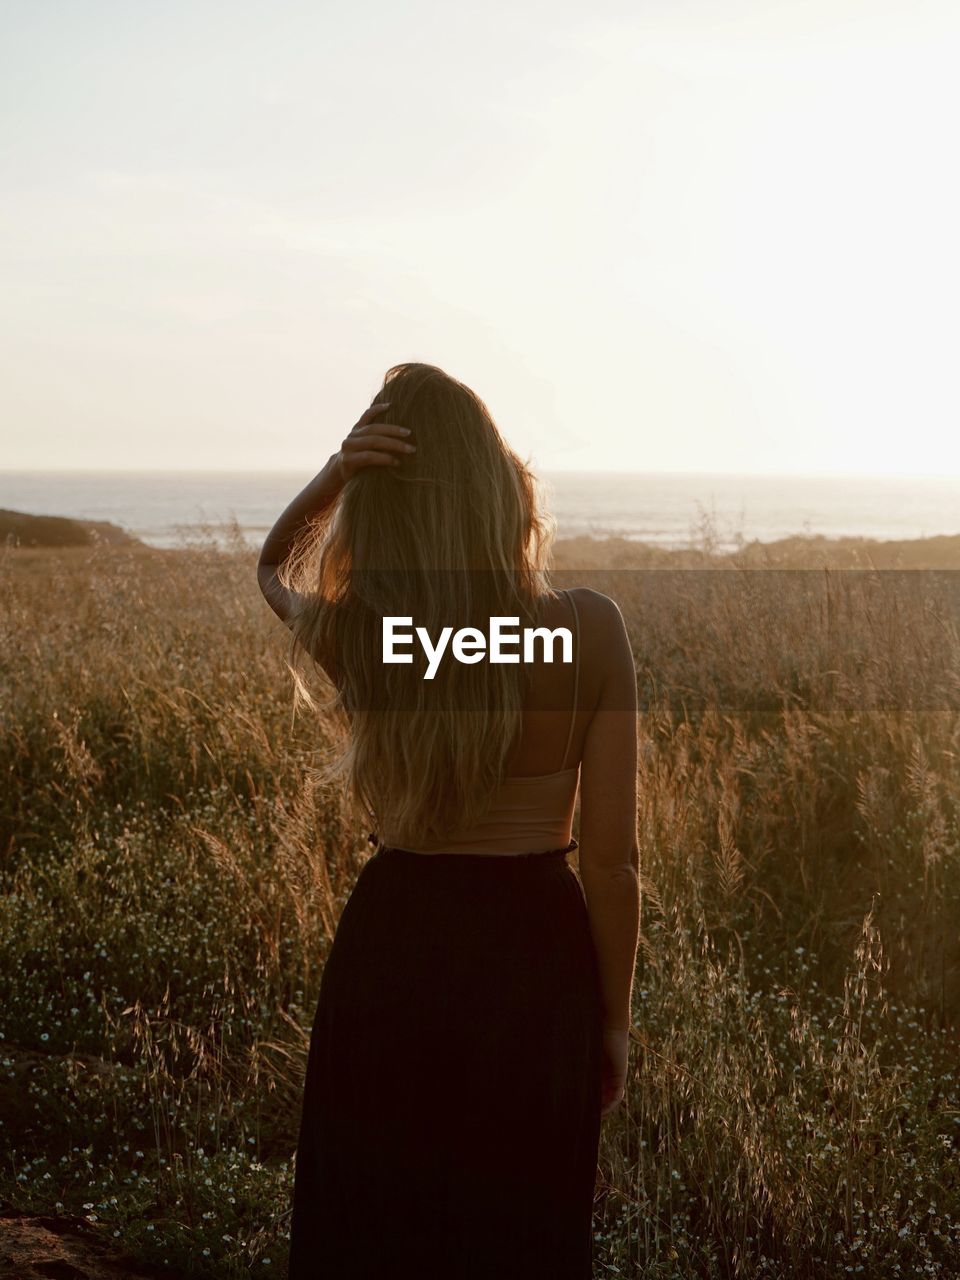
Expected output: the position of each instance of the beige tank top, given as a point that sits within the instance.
(526, 814)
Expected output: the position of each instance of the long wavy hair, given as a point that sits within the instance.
(452, 537)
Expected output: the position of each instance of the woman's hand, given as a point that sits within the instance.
(616, 1048)
(371, 444)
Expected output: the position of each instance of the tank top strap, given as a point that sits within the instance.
(576, 674)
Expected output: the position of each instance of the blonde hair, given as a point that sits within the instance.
(452, 537)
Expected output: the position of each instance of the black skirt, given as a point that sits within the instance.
(451, 1109)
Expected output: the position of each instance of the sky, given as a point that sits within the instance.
(653, 235)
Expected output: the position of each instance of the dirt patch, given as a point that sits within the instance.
(40, 1247)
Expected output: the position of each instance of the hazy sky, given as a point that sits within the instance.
(704, 235)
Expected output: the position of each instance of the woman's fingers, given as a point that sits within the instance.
(359, 443)
(370, 413)
(374, 444)
(378, 428)
(611, 1106)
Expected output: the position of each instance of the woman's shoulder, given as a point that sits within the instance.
(603, 610)
(607, 647)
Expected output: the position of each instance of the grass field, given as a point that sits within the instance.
(170, 880)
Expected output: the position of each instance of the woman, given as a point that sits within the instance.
(472, 1025)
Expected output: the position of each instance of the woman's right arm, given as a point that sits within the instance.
(608, 857)
(368, 444)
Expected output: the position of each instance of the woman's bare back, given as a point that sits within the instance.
(549, 702)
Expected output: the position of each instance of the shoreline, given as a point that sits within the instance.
(23, 533)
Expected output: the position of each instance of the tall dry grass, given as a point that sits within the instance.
(171, 881)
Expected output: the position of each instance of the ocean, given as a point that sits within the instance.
(166, 508)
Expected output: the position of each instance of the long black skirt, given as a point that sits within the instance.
(451, 1110)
